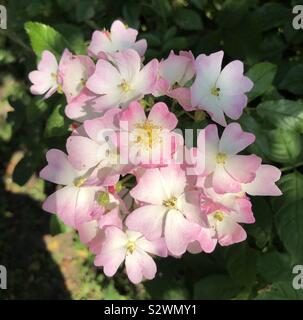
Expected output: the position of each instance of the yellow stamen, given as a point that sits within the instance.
(125, 86)
(215, 91)
(148, 133)
(170, 203)
(59, 89)
(219, 216)
(78, 182)
(221, 158)
(130, 246)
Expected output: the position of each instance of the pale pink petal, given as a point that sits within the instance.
(73, 205)
(151, 180)
(148, 265)
(233, 105)
(207, 144)
(148, 220)
(42, 82)
(161, 116)
(209, 67)
(83, 107)
(231, 80)
(179, 232)
(48, 62)
(234, 139)
(84, 153)
(100, 43)
(156, 247)
(133, 267)
(230, 232)
(207, 240)
(128, 63)
(111, 218)
(140, 46)
(182, 95)
(242, 168)
(134, 114)
(105, 79)
(108, 122)
(264, 183)
(113, 251)
(223, 182)
(122, 35)
(146, 80)
(59, 170)
(173, 179)
(87, 231)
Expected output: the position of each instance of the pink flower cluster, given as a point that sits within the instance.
(123, 185)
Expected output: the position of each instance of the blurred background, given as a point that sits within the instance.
(45, 260)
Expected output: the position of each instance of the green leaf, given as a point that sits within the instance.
(291, 186)
(289, 223)
(241, 264)
(57, 124)
(6, 131)
(281, 290)
(215, 286)
(36, 109)
(293, 80)
(57, 226)
(188, 19)
(75, 37)
(261, 145)
(274, 266)
(285, 145)
(273, 15)
(44, 37)
(286, 114)
(262, 75)
(262, 229)
(24, 169)
(168, 284)
(200, 4)
(177, 43)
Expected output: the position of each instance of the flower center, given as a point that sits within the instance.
(215, 91)
(219, 215)
(170, 203)
(125, 86)
(148, 134)
(221, 158)
(130, 246)
(78, 182)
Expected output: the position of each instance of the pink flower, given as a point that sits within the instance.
(225, 169)
(174, 73)
(148, 140)
(106, 212)
(264, 183)
(45, 79)
(221, 215)
(74, 70)
(132, 247)
(123, 80)
(93, 151)
(167, 208)
(119, 38)
(219, 92)
(74, 202)
(84, 106)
